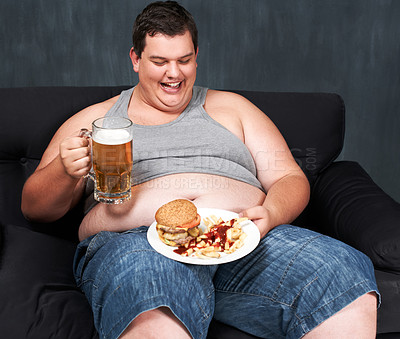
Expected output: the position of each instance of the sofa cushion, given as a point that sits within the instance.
(38, 295)
(353, 209)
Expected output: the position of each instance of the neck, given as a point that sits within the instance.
(143, 112)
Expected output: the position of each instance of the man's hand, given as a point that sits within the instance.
(75, 156)
(260, 215)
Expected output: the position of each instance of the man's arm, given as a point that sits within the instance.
(285, 183)
(287, 187)
(285, 200)
(57, 184)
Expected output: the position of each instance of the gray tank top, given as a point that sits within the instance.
(194, 142)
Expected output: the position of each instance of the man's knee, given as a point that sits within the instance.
(156, 323)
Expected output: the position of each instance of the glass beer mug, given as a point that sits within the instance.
(111, 158)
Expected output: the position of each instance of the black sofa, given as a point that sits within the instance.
(38, 296)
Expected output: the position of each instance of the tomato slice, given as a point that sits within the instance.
(193, 223)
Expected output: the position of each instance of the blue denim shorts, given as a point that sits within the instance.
(294, 280)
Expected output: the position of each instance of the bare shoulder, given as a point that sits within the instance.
(259, 131)
(225, 99)
(71, 127)
(228, 109)
(236, 107)
(235, 103)
(84, 118)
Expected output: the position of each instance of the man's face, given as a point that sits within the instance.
(167, 71)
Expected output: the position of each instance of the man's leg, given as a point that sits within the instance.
(295, 281)
(129, 286)
(357, 320)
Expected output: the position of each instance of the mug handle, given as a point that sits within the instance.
(85, 133)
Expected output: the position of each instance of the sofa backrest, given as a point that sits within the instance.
(312, 123)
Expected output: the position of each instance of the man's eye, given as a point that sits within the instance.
(183, 62)
(159, 63)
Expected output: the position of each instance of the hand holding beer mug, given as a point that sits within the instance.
(111, 158)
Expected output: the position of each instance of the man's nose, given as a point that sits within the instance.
(173, 70)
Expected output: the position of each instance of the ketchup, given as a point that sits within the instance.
(216, 236)
(180, 250)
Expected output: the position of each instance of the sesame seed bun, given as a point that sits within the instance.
(176, 213)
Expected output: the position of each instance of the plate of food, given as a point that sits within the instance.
(204, 236)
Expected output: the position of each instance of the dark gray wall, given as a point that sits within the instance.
(350, 47)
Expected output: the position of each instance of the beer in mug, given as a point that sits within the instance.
(112, 159)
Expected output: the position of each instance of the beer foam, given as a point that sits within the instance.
(112, 136)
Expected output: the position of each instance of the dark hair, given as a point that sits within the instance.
(167, 18)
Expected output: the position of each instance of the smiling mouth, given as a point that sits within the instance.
(171, 85)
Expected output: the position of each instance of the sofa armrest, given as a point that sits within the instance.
(352, 208)
(38, 293)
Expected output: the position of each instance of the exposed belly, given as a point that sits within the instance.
(204, 190)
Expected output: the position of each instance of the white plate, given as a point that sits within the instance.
(250, 243)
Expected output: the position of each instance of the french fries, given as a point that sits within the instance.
(219, 237)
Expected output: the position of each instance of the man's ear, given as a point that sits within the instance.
(135, 60)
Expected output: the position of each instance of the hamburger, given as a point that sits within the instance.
(177, 222)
